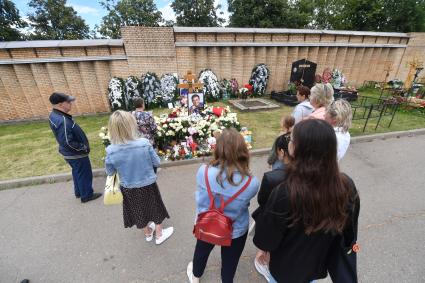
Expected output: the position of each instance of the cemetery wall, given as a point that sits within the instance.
(30, 71)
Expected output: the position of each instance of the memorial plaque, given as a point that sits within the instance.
(303, 71)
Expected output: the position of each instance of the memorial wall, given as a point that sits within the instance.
(31, 70)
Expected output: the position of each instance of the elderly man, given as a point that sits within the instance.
(73, 145)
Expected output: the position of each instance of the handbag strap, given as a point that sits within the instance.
(115, 180)
(232, 198)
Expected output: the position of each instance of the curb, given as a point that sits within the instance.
(100, 172)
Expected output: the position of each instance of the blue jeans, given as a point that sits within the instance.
(82, 176)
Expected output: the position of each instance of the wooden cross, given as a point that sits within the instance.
(191, 82)
(388, 69)
(414, 65)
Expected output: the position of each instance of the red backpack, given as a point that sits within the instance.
(213, 226)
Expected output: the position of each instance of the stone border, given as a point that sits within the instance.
(268, 104)
(64, 177)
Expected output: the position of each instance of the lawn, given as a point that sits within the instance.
(31, 150)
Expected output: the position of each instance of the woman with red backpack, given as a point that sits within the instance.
(224, 190)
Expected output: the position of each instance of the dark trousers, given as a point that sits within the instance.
(229, 258)
(82, 176)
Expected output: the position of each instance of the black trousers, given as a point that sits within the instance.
(229, 258)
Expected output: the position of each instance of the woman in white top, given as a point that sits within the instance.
(339, 115)
(304, 108)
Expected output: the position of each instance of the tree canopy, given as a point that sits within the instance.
(128, 13)
(197, 13)
(270, 13)
(361, 15)
(10, 22)
(52, 19)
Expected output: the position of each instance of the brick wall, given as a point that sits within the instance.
(25, 88)
(230, 53)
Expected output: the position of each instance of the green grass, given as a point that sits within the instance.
(31, 150)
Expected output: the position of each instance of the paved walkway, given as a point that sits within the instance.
(46, 235)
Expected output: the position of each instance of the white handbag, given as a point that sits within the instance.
(113, 194)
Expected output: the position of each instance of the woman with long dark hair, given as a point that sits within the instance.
(314, 210)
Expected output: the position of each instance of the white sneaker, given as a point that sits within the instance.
(166, 233)
(189, 272)
(150, 236)
(263, 269)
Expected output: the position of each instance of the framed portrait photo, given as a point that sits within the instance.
(196, 102)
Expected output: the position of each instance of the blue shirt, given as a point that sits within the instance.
(237, 210)
(134, 162)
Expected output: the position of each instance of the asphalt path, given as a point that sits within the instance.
(46, 235)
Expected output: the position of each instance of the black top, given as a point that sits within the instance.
(270, 181)
(294, 256)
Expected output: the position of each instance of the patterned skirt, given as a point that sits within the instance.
(142, 205)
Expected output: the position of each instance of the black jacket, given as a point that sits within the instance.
(270, 180)
(296, 257)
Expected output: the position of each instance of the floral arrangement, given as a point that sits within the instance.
(338, 79)
(246, 91)
(235, 87)
(151, 89)
(168, 87)
(116, 89)
(191, 134)
(259, 79)
(132, 90)
(247, 135)
(292, 88)
(183, 136)
(104, 136)
(211, 85)
(395, 84)
(226, 89)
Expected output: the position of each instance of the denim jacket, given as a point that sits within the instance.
(237, 210)
(134, 162)
(72, 141)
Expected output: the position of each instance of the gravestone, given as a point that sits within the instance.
(303, 71)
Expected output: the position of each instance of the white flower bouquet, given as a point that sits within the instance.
(116, 94)
(151, 89)
(211, 85)
(133, 89)
(168, 88)
(259, 79)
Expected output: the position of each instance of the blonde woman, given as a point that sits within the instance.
(321, 95)
(339, 115)
(134, 160)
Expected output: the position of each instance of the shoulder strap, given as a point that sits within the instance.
(207, 183)
(232, 198)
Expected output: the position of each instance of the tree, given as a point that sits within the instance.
(10, 22)
(197, 13)
(128, 13)
(404, 16)
(370, 15)
(52, 19)
(270, 13)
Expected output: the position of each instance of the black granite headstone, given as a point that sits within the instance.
(303, 71)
